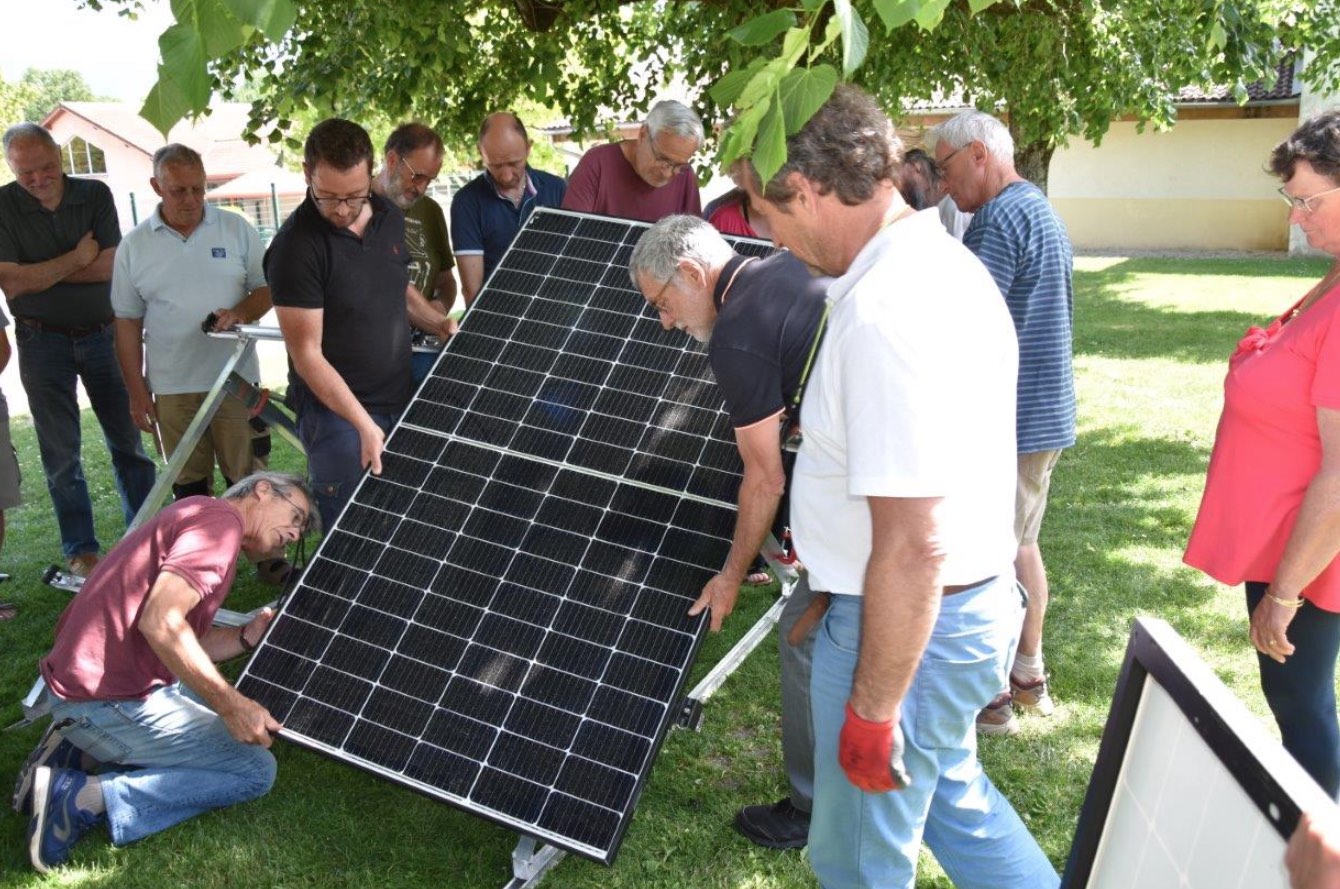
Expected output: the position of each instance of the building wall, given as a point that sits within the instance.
(128, 168)
(1201, 185)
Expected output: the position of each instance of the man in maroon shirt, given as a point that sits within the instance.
(647, 178)
(131, 682)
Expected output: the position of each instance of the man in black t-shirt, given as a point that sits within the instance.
(339, 277)
(760, 319)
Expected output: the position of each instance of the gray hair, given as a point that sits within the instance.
(175, 153)
(22, 132)
(662, 247)
(1317, 141)
(284, 484)
(676, 117)
(976, 126)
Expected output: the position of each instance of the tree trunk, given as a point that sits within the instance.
(1033, 160)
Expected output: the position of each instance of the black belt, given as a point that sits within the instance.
(75, 330)
(951, 589)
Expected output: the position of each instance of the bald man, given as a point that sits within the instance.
(488, 212)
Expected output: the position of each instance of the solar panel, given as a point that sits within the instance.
(499, 620)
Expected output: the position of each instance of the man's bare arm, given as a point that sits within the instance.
(471, 269)
(427, 316)
(163, 624)
(302, 336)
(20, 279)
(130, 355)
(900, 604)
(444, 289)
(97, 271)
(761, 490)
(248, 311)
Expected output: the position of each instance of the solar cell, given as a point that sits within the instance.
(499, 619)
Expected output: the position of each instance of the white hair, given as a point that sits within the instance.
(676, 117)
(675, 238)
(976, 126)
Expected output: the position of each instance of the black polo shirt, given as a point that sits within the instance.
(763, 333)
(30, 233)
(360, 284)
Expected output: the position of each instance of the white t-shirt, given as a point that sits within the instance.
(173, 283)
(912, 395)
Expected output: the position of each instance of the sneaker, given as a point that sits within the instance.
(83, 564)
(778, 826)
(57, 823)
(997, 717)
(1032, 696)
(52, 750)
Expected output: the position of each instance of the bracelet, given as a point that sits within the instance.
(242, 640)
(1285, 603)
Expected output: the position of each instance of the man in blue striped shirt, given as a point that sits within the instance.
(1023, 244)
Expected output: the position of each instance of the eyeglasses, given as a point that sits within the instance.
(672, 165)
(416, 177)
(354, 203)
(1304, 204)
(941, 165)
(302, 519)
(655, 302)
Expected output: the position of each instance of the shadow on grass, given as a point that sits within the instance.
(1109, 325)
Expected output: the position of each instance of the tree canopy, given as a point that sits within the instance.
(1058, 68)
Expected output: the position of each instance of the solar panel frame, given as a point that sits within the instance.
(552, 425)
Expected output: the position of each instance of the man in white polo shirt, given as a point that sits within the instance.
(903, 506)
(187, 260)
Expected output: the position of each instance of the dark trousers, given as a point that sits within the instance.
(1301, 691)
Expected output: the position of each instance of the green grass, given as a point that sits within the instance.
(1152, 338)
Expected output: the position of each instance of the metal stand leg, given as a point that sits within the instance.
(531, 860)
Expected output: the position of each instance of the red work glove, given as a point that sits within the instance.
(871, 753)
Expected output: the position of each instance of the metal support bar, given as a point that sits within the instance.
(163, 485)
(531, 860)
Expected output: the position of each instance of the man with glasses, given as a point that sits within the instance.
(412, 160)
(186, 261)
(145, 731)
(58, 237)
(488, 212)
(647, 178)
(339, 278)
(1023, 243)
(761, 319)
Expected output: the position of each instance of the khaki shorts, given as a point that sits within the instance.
(228, 437)
(9, 463)
(1030, 494)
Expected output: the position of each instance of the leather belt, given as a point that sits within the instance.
(76, 330)
(951, 589)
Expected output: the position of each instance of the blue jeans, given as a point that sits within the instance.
(1301, 691)
(334, 454)
(871, 840)
(49, 364)
(180, 760)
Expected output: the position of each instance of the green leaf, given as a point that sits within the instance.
(273, 17)
(896, 13)
(166, 103)
(184, 64)
(214, 24)
(931, 12)
(1218, 36)
(729, 86)
(764, 28)
(832, 31)
(803, 91)
(759, 88)
(794, 46)
(855, 36)
(770, 148)
(976, 6)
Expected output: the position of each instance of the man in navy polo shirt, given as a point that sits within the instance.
(58, 238)
(339, 278)
(488, 212)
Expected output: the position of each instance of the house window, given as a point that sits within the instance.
(81, 158)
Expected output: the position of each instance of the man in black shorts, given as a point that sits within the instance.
(761, 319)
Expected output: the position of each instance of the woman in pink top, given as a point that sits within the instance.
(1270, 516)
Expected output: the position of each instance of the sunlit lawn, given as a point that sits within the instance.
(1152, 336)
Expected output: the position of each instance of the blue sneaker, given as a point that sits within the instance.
(52, 750)
(57, 823)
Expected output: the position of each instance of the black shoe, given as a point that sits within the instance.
(779, 826)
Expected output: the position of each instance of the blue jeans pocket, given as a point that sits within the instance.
(948, 695)
(96, 741)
